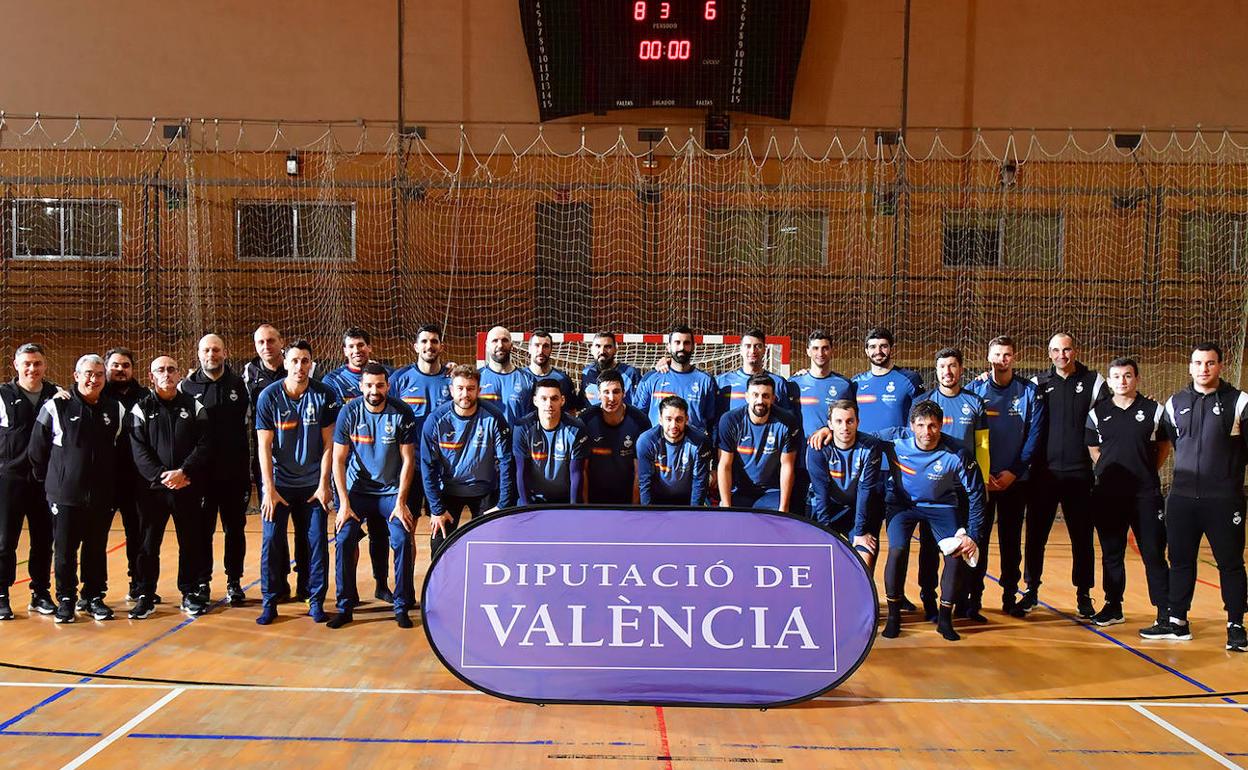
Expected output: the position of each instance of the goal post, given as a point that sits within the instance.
(715, 353)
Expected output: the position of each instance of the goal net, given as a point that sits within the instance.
(123, 232)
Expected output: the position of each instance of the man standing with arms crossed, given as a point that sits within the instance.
(295, 419)
(1206, 422)
(374, 466)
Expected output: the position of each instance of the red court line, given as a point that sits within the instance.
(1136, 548)
(663, 744)
(120, 545)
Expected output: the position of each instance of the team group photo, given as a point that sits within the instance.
(623, 384)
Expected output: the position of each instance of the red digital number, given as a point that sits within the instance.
(709, 13)
(678, 49)
(650, 50)
(665, 10)
(639, 10)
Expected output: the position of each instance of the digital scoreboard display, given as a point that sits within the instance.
(590, 56)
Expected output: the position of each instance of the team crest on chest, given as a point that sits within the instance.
(108, 420)
(628, 442)
(1079, 387)
(1217, 407)
(184, 414)
(937, 467)
(966, 409)
(891, 387)
(233, 395)
(1139, 416)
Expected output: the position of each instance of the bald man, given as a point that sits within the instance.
(169, 439)
(503, 384)
(220, 391)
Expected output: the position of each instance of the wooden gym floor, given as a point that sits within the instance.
(1047, 691)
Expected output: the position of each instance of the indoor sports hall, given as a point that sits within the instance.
(952, 170)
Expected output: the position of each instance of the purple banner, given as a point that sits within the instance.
(698, 606)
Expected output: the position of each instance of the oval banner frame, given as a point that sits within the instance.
(572, 604)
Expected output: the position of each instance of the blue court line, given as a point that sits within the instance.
(1170, 669)
(4, 726)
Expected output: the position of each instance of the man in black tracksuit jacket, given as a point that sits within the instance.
(228, 491)
(73, 452)
(1206, 421)
(168, 433)
(21, 497)
(120, 370)
(1062, 473)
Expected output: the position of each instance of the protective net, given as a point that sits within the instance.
(114, 234)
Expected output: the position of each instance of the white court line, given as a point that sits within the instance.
(262, 688)
(1215, 756)
(104, 743)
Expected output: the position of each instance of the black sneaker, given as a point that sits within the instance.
(42, 603)
(930, 610)
(1009, 603)
(283, 594)
(1028, 603)
(1110, 615)
(83, 605)
(1083, 606)
(1159, 630)
(892, 626)
(339, 620)
(65, 611)
(403, 621)
(203, 594)
(97, 609)
(6, 611)
(384, 594)
(234, 594)
(907, 605)
(143, 608)
(192, 606)
(156, 599)
(1180, 631)
(1236, 639)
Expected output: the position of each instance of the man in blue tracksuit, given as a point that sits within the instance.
(295, 419)
(466, 457)
(374, 465)
(731, 386)
(357, 347)
(549, 448)
(1015, 422)
(503, 384)
(966, 422)
(604, 349)
(613, 428)
(423, 386)
(682, 378)
(758, 446)
(844, 476)
(811, 393)
(673, 459)
(926, 475)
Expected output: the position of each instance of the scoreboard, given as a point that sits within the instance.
(592, 56)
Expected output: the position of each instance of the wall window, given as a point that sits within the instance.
(1212, 241)
(305, 230)
(1016, 240)
(62, 228)
(768, 238)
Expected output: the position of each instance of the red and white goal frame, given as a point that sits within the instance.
(715, 352)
